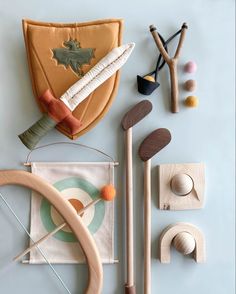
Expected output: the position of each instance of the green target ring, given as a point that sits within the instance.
(91, 190)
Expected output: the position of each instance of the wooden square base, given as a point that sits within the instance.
(168, 200)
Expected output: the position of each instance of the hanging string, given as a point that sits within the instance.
(68, 143)
(41, 252)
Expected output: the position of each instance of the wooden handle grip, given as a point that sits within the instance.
(130, 289)
(57, 112)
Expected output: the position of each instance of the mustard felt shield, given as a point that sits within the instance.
(61, 54)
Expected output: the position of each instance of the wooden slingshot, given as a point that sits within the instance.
(147, 83)
(172, 63)
(23, 178)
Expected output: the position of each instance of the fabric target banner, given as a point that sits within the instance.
(79, 183)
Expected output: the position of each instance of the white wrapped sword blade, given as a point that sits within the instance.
(102, 71)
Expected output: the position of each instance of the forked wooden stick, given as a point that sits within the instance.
(172, 64)
(131, 118)
(151, 145)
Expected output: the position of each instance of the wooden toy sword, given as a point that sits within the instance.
(60, 110)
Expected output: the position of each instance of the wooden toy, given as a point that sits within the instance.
(61, 53)
(190, 85)
(190, 67)
(172, 63)
(184, 243)
(60, 110)
(181, 186)
(186, 238)
(23, 178)
(151, 145)
(148, 83)
(131, 118)
(191, 101)
(108, 193)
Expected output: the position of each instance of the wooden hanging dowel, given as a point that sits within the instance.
(172, 64)
(131, 118)
(151, 145)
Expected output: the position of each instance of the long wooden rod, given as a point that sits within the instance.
(129, 288)
(147, 227)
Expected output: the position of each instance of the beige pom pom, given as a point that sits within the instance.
(184, 243)
(149, 78)
(190, 85)
(181, 184)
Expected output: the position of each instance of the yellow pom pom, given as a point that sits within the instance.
(149, 78)
(108, 193)
(191, 101)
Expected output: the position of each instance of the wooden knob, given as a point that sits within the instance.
(181, 184)
(184, 243)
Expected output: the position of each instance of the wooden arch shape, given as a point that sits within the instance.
(63, 207)
(171, 231)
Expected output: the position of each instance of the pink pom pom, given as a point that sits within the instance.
(190, 67)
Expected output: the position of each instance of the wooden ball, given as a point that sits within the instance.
(184, 243)
(191, 101)
(190, 85)
(149, 78)
(190, 67)
(108, 193)
(181, 184)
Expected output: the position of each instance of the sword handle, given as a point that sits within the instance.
(57, 112)
(33, 135)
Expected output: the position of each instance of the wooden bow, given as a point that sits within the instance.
(87, 243)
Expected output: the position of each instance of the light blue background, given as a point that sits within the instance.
(205, 134)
